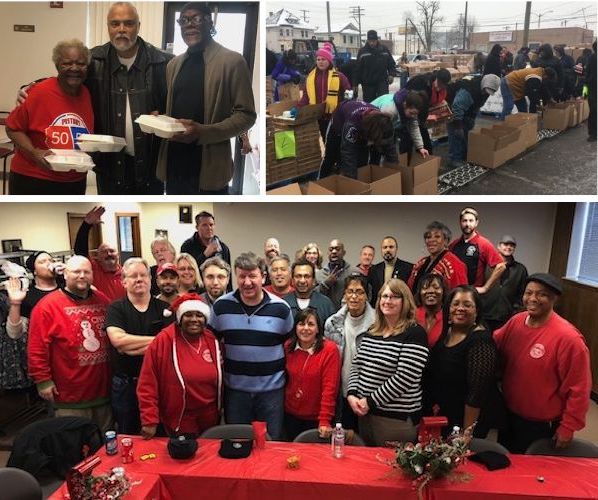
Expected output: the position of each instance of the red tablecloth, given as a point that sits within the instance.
(361, 475)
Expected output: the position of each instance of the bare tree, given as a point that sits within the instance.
(428, 20)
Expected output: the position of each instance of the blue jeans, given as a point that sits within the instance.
(125, 407)
(242, 407)
(508, 102)
(458, 145)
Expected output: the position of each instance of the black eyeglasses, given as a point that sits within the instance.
(195, 20)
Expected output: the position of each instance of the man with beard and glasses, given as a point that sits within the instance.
(476, 252)
(305, 296)
(209, 91)
(105, 264)
(215, 274)
(332, 276)
(254, 325)
(390, 267)
(126, 78)
(67, 352)
(505, 298)
(167, 279)
(131, 324)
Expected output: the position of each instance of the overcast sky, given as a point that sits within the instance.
(492, 15)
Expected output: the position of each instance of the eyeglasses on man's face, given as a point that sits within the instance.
(195, 20)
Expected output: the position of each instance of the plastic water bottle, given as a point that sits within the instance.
(338, 441)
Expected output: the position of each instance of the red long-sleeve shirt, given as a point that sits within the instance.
(546, 371)
(313, 382)
(67, 345)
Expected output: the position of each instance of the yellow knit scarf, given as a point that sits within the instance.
(334, 83)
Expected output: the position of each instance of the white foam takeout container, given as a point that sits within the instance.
(100, 143)
(65, 160)
(161, 125)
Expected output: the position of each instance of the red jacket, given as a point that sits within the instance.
(67, 345)
(316, 382)
(161, 387)
(450, 266)
(546, 371)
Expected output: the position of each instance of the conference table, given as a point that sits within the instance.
(362, 474)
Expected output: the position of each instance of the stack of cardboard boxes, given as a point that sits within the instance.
(492, 147)
(563, 115)
(308, 153)
(410, 176)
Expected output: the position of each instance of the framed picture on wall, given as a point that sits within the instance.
(161, 233)
(11, 246)
(185, 214)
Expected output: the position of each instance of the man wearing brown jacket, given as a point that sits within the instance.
(209, 91)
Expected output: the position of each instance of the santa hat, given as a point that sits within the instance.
(325, 52)
(188, 302)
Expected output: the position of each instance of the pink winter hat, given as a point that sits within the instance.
(325, 52)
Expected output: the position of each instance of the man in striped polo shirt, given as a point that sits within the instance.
(254, 325)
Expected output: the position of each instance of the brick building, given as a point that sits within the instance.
(513, 40)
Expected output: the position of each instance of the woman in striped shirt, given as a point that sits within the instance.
(385, 385)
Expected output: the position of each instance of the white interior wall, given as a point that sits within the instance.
(28, 56)
(244, 226)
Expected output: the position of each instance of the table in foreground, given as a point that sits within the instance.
(363, 474)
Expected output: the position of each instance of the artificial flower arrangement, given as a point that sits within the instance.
(82, 485)
(434, 458)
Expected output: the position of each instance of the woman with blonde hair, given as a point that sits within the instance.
(385, 385)
(189, 277)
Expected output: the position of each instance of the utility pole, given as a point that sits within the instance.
(357, 11)
(528, 11)
(465, 26)
(584, 17)
(328, 19)
(406, 49)
(305, 12)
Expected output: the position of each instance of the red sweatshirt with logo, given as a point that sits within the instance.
(546, 371)
(67, 345)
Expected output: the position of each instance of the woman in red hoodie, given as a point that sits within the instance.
(180, 384)
(325, 84)
(313, 369)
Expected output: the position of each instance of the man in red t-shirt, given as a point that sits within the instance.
(56, 112)
(546, 376)
(68, 355)
(476, 252)
(107, 276)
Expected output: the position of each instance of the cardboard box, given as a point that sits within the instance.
(583, 110)
(289, 91)
(527, 123)
(502, 135)
(481, 149)
(573, 115)
(418, 174)
(382, 180)
(556, 116)
(291, 189)
(338, 184)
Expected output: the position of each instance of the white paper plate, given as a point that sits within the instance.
(161, 125)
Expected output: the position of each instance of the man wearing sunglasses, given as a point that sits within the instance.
(209, 92)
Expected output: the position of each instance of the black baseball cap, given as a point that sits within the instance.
(507, 238)
(548, 280)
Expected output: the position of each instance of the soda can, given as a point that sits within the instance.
(126, 450)
(111, 443)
